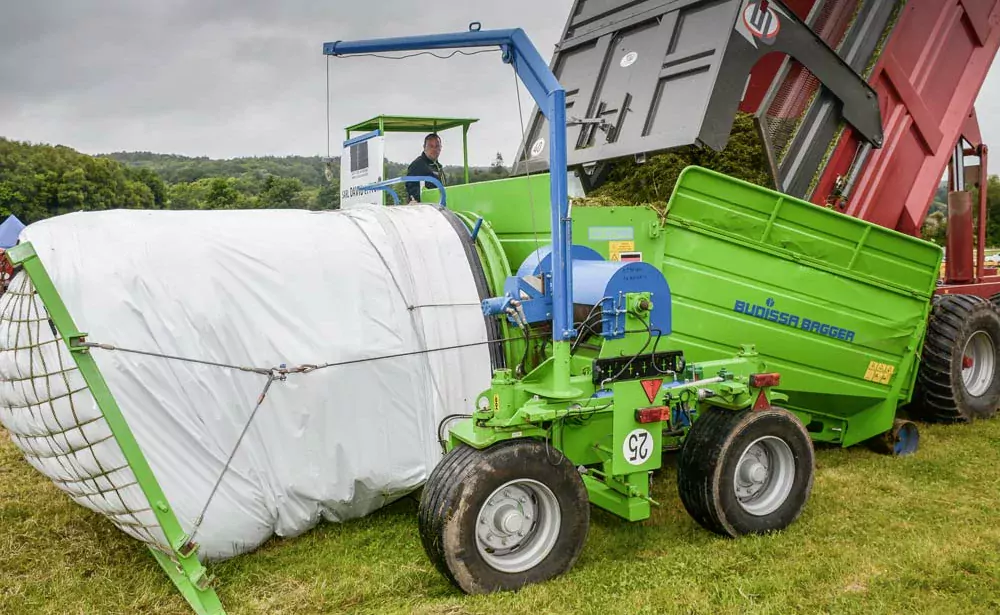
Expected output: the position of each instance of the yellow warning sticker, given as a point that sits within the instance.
(496, 403)
(879, 372)
(615, 249)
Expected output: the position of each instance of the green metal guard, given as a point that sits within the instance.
(181, 564)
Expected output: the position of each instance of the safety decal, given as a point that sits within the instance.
(652, 387)
(615, 249)
(630, 257)
(879, 372)
(610, 233)
(762, 21)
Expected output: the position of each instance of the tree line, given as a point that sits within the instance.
(38, 181)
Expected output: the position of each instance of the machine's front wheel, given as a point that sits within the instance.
(958, 379)
(745, 472)
(503, 517)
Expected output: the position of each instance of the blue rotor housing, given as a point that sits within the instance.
(597, 285)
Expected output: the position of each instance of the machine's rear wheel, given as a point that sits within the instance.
(958, 380)
(745, 472)
(503, 517)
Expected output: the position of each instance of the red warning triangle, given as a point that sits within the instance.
(761, 403)
(652, 387)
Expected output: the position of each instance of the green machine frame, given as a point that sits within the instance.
(181, 564)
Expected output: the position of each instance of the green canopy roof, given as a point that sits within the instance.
(404, 123)
(408, 123)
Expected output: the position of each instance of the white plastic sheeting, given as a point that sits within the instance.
(248, 288)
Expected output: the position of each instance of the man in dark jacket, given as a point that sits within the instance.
(425, 165)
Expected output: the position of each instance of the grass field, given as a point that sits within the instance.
(879, 535)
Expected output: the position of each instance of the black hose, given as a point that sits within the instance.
(584, 324)
(445, 420)
(527, 347)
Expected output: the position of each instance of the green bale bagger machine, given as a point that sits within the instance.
(735, 326)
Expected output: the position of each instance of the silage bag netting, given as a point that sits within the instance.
(257, 289)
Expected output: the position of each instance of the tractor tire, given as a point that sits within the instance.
(746, 472)
(500, 518)
(958, 380)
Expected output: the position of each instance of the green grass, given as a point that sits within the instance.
(879, 535)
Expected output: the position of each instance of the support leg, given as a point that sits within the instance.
(203, 599)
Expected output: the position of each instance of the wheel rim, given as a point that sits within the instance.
(978, 363)
(764, 476)
(518, 525)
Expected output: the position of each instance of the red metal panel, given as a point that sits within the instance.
(767, 67)
(958, 269)
(984, 167)
(971, 130)
(927, 78)
(987, 288)
(761, 76)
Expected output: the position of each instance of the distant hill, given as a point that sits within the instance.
(261, 181)
(176, 169)
(310, 170)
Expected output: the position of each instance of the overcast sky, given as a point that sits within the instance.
(228, 78)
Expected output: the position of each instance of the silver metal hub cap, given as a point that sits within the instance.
(764, 476)
(518, 526)
(978, 363)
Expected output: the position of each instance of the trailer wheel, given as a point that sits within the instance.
(958, 379)
(745, 472)
(503, 517)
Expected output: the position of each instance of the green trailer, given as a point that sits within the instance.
(837, 305)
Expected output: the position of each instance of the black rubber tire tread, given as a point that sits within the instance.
(431, 501)
(693, 470)
(940, 395)
(448, 506)
(711, 449)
